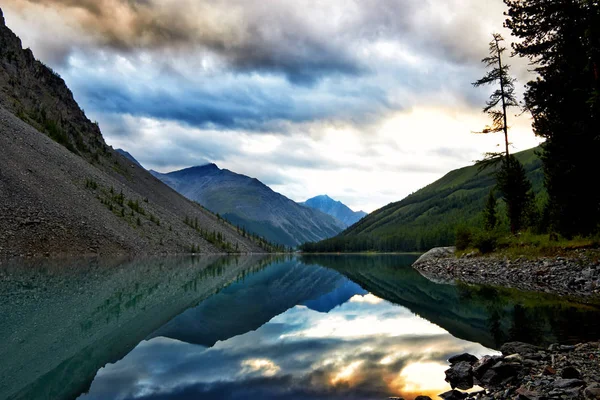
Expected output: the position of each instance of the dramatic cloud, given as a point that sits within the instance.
(365, 100)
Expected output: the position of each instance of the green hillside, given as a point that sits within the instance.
(429, 217)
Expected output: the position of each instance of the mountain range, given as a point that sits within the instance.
(430, 216)
(63, 190)
(250, 204)
(336, 209)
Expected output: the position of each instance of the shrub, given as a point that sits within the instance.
(485, 241)
(463, 238)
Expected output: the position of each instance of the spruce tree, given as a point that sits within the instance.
(512, 182)
(490, 214)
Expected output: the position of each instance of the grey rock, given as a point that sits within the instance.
(460, 375)
(436, 253)
(471, 359)
(567, 383)
(485, 363)
(592, 392)
(519, 348)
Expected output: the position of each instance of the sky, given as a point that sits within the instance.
(366, 101)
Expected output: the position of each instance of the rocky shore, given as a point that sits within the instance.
(576, 274)
(526, 372)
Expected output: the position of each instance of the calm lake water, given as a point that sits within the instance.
(318, 327)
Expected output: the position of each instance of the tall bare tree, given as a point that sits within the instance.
(503, 97)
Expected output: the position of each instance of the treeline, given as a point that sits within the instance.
(218, 240)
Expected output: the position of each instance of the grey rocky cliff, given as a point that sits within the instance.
(39, 96)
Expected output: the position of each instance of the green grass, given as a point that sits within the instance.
(531, 246)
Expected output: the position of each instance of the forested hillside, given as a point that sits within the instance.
(429, 217)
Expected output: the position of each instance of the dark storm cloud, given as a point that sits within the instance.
(245, 106)
(304, 40)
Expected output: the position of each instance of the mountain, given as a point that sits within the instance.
(249, 203)
(64, 191)
(336, 209)
(429, 217)
(129, 157)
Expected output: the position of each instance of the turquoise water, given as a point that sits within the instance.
(318, 327)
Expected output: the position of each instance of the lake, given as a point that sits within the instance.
(255, 327)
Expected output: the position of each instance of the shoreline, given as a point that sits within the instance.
(576, 274)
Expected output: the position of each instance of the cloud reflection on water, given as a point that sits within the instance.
(365, 348)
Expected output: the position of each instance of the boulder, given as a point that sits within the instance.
(471, 359)
(518, 348)
(435, 253)
(485, 363)
(422, 398)
(499, 374)
(460, 375)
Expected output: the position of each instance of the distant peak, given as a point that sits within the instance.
(321, 197)
(197, 169)
(207, 166)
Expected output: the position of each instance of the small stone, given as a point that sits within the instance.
(592, 392)
(525, 393)
(422, 398)
(514, 357)
(567, 383)
(570, 373)
(548, 370)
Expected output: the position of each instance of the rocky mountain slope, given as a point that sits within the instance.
(429, 217)
(64, 191)
(336, 209)
(128, 156)
(249, 203)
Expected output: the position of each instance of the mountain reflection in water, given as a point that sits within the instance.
(254, 327)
